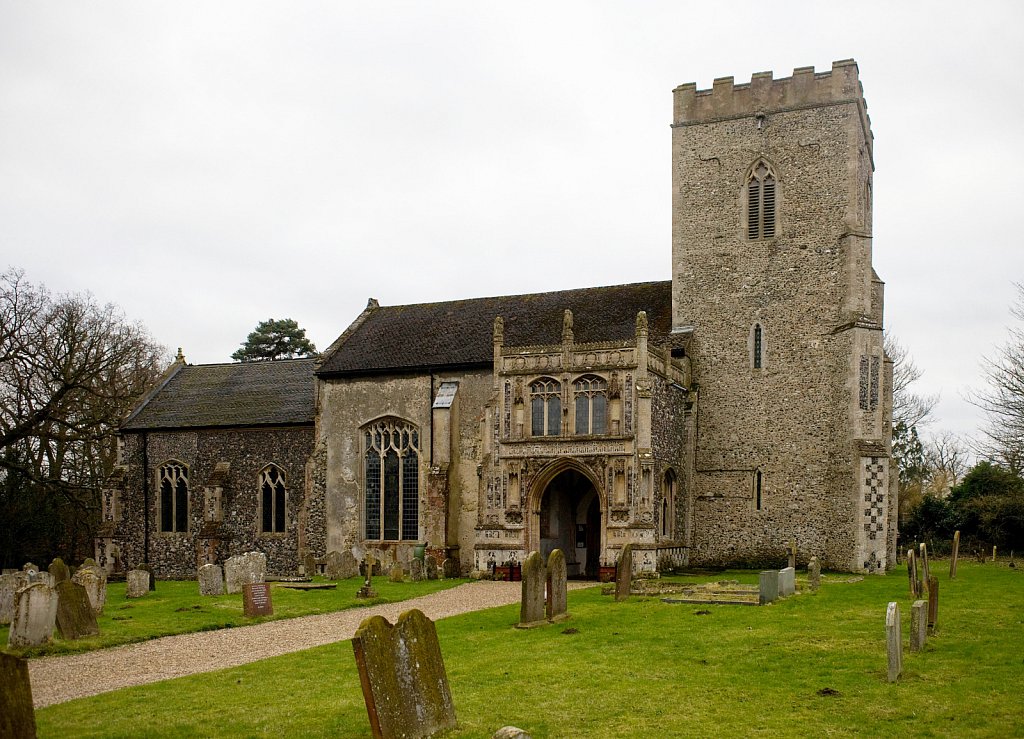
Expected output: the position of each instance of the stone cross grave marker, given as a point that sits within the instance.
(933, 605)
(367, 590)
(926, 572)
(59, 571)
(894, 641)
(402, 674)
(75, 616)
(256, 599)
(17, 718)
(35, 615)
(211, 580)
(136, 584)
(624, 573)
(244, 568)
(768, 587)
(918, 625)
(94, 580)
(954, 553)
(787, 582)
(557, 590)
(532, 604)
(814, 573)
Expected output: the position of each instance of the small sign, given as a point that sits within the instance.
(256, 599)
(446, 395)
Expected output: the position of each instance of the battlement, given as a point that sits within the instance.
(763, 94)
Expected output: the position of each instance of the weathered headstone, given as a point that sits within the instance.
(814, 574)
(243, 569)
(416, 573)
(35, 615)
(75, 616)
(954, 553)
(136, 584)
(211, 580)
(332, 565)
(256, 599)
(349, 566)
(894, 641)
(535, 579)
(624, 573)
(17, 717)
(94, 580)
(309, 565)
(59, 571)
(430, 567)
(397, 573)
(9, 586)
(402, 674)
(787, 582)
(912, 573)
(926, 572)
(768, 587)
(918, 625)
(933, 605)
(450, 568)
(557, 595)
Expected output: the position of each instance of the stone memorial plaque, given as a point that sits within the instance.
(256, 599)
(17, 718)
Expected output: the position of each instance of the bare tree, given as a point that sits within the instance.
(948, 459)
(908, 407)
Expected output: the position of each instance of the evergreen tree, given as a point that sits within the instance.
(275, 339)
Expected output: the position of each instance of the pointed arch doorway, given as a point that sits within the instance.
(567, 516)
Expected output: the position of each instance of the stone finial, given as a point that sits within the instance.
(181, 357)
(641, 323)
(567, 336)
(372, 304)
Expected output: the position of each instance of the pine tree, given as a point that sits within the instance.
(275, 339)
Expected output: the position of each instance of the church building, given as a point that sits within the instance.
(709, 419)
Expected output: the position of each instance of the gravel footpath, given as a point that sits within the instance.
(63, 678)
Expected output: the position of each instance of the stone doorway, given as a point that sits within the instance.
(570, 520)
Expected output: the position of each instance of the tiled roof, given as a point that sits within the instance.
(459, 332)
(237, 394)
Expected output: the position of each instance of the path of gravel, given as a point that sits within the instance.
(64, 678)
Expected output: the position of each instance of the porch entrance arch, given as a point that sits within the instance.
(565, 513)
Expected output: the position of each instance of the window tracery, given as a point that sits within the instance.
(546, 407)
(761, 201)
(172, 479)
(391, 499)
(591, 394)
(272, 500)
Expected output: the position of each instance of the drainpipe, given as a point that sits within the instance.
(145, 497)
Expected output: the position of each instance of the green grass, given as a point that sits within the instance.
(176, 607)
(642, 668)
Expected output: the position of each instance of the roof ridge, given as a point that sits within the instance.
(527, 295)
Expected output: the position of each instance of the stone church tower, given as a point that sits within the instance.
(778, 307)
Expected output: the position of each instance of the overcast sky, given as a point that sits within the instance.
(206, 165)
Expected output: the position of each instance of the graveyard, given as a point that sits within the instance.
(812, 662)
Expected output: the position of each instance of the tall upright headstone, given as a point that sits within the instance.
(94, 579)
(535, 578)
(926, 572)
(75, 616)
(912, 573)
(35, 615)
(557, 590)
(787, 582)
(402, 675)
(814, 574)
(954, 553)
(624, 573)
(918, 625)
(17, 717)
(894, 641)
(933, 605)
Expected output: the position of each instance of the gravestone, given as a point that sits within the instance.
(430, 568)
(557, 595)
(894, 641)
(450, 568)
(211, 580)
(814, 573)
(792, 554)
(912, 573)
(136, 584)
(918, 625)
(35, 615)
(397, 573)
(416, 570)
(256, 599)
(933, 605)
(954, 553)
(535, 580)
(332, 565)
(9, 586)
(768, 587)
(94, 580)
(59, 571)
(787, 582)
(926, 573)
(367, 590)
(402, 674)
(152, 575)
(75, 616)
(309, 565)
(17, 717)
(349, 566)
(244, 569)
(624, 573)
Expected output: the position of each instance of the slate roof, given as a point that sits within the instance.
(239, 394)
(459, 333)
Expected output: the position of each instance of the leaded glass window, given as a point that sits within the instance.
(272, 500)
(761, 215)
(546, 407)
(391, 466)
(173, 481)
(591, 394)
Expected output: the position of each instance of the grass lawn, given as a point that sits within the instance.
(176, 607)
(813, 664)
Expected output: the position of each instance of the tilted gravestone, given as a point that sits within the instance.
(17, 718)
(933, 605)
(402, 674)
(430, 567)
(624, 573)
(256, 599)
(768, 587)
(535, 578)
(211, 580)
(75, 616)
(814, 573)
(912, 573)
(557, 595)
(94, 580)
(918, 625)
(35, 615)
(894, 641)
(787, 582)
(59, 571)
(954, 553)
(244, 568)
(136, 584)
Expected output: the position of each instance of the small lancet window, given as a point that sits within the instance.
(272, 500)
(173, 482)
(757, 343)
(761, 215)
(757, 490)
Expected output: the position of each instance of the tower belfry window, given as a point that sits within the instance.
(761, 212)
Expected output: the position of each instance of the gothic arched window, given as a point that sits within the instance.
(272, 500)
(668, 504)
(761, 213)
(172, 479)
(591, 405)
(546, 407)
(391, 501)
